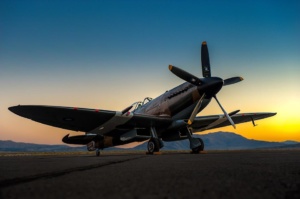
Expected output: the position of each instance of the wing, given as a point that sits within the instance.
(215, 121)
(76, 119)
(88, 120)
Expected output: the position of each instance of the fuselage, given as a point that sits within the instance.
(179, 102)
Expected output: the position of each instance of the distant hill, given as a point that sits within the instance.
(24, 147)
(290, 146)
(225, 141)
(212, 141)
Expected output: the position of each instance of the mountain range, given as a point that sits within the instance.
(225, 141)
(212, 141)
(11, 146)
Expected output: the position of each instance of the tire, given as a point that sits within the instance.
(196, 150)
(153, 145)
(199, 148)
(202, 144)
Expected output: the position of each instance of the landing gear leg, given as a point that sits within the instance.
(97, 152)
(154, 143)
(196, 144)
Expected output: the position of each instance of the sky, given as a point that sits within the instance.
(109, 54)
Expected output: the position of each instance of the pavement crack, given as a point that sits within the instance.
(25, 179)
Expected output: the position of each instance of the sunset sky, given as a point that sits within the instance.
(109, 54)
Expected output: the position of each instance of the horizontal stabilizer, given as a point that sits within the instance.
(233, 113)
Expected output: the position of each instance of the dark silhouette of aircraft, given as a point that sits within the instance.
(169, 117)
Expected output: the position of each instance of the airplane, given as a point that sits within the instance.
(169, 117)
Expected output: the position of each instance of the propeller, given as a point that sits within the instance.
(225, 113)
(232, 80)
(185, 75)
(196, 110)
(210, 85)
(205, 60)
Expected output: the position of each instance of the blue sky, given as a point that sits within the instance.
(108, 54)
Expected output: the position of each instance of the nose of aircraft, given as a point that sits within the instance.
(210, 86)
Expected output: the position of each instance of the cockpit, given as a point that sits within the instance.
(137, 105)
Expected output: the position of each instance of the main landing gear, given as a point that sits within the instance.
(154, 144)
(196, 144)
(200, 148)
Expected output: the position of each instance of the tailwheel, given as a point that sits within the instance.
(153, 145)
(97, 152)
(200, 148)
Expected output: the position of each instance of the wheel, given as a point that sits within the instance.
(196, 149)
(202, 144)
(199, 148)
(97, 152)
(153, 145)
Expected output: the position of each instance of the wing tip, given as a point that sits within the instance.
(15, 109)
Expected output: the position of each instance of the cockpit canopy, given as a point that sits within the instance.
(138, 104)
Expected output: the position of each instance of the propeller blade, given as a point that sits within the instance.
(232, 80)
(225, 113)
(196, 110)
(185, 75)
(205, 60)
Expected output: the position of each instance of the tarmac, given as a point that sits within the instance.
(215, 174)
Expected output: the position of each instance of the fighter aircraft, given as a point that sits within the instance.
(169, 117)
